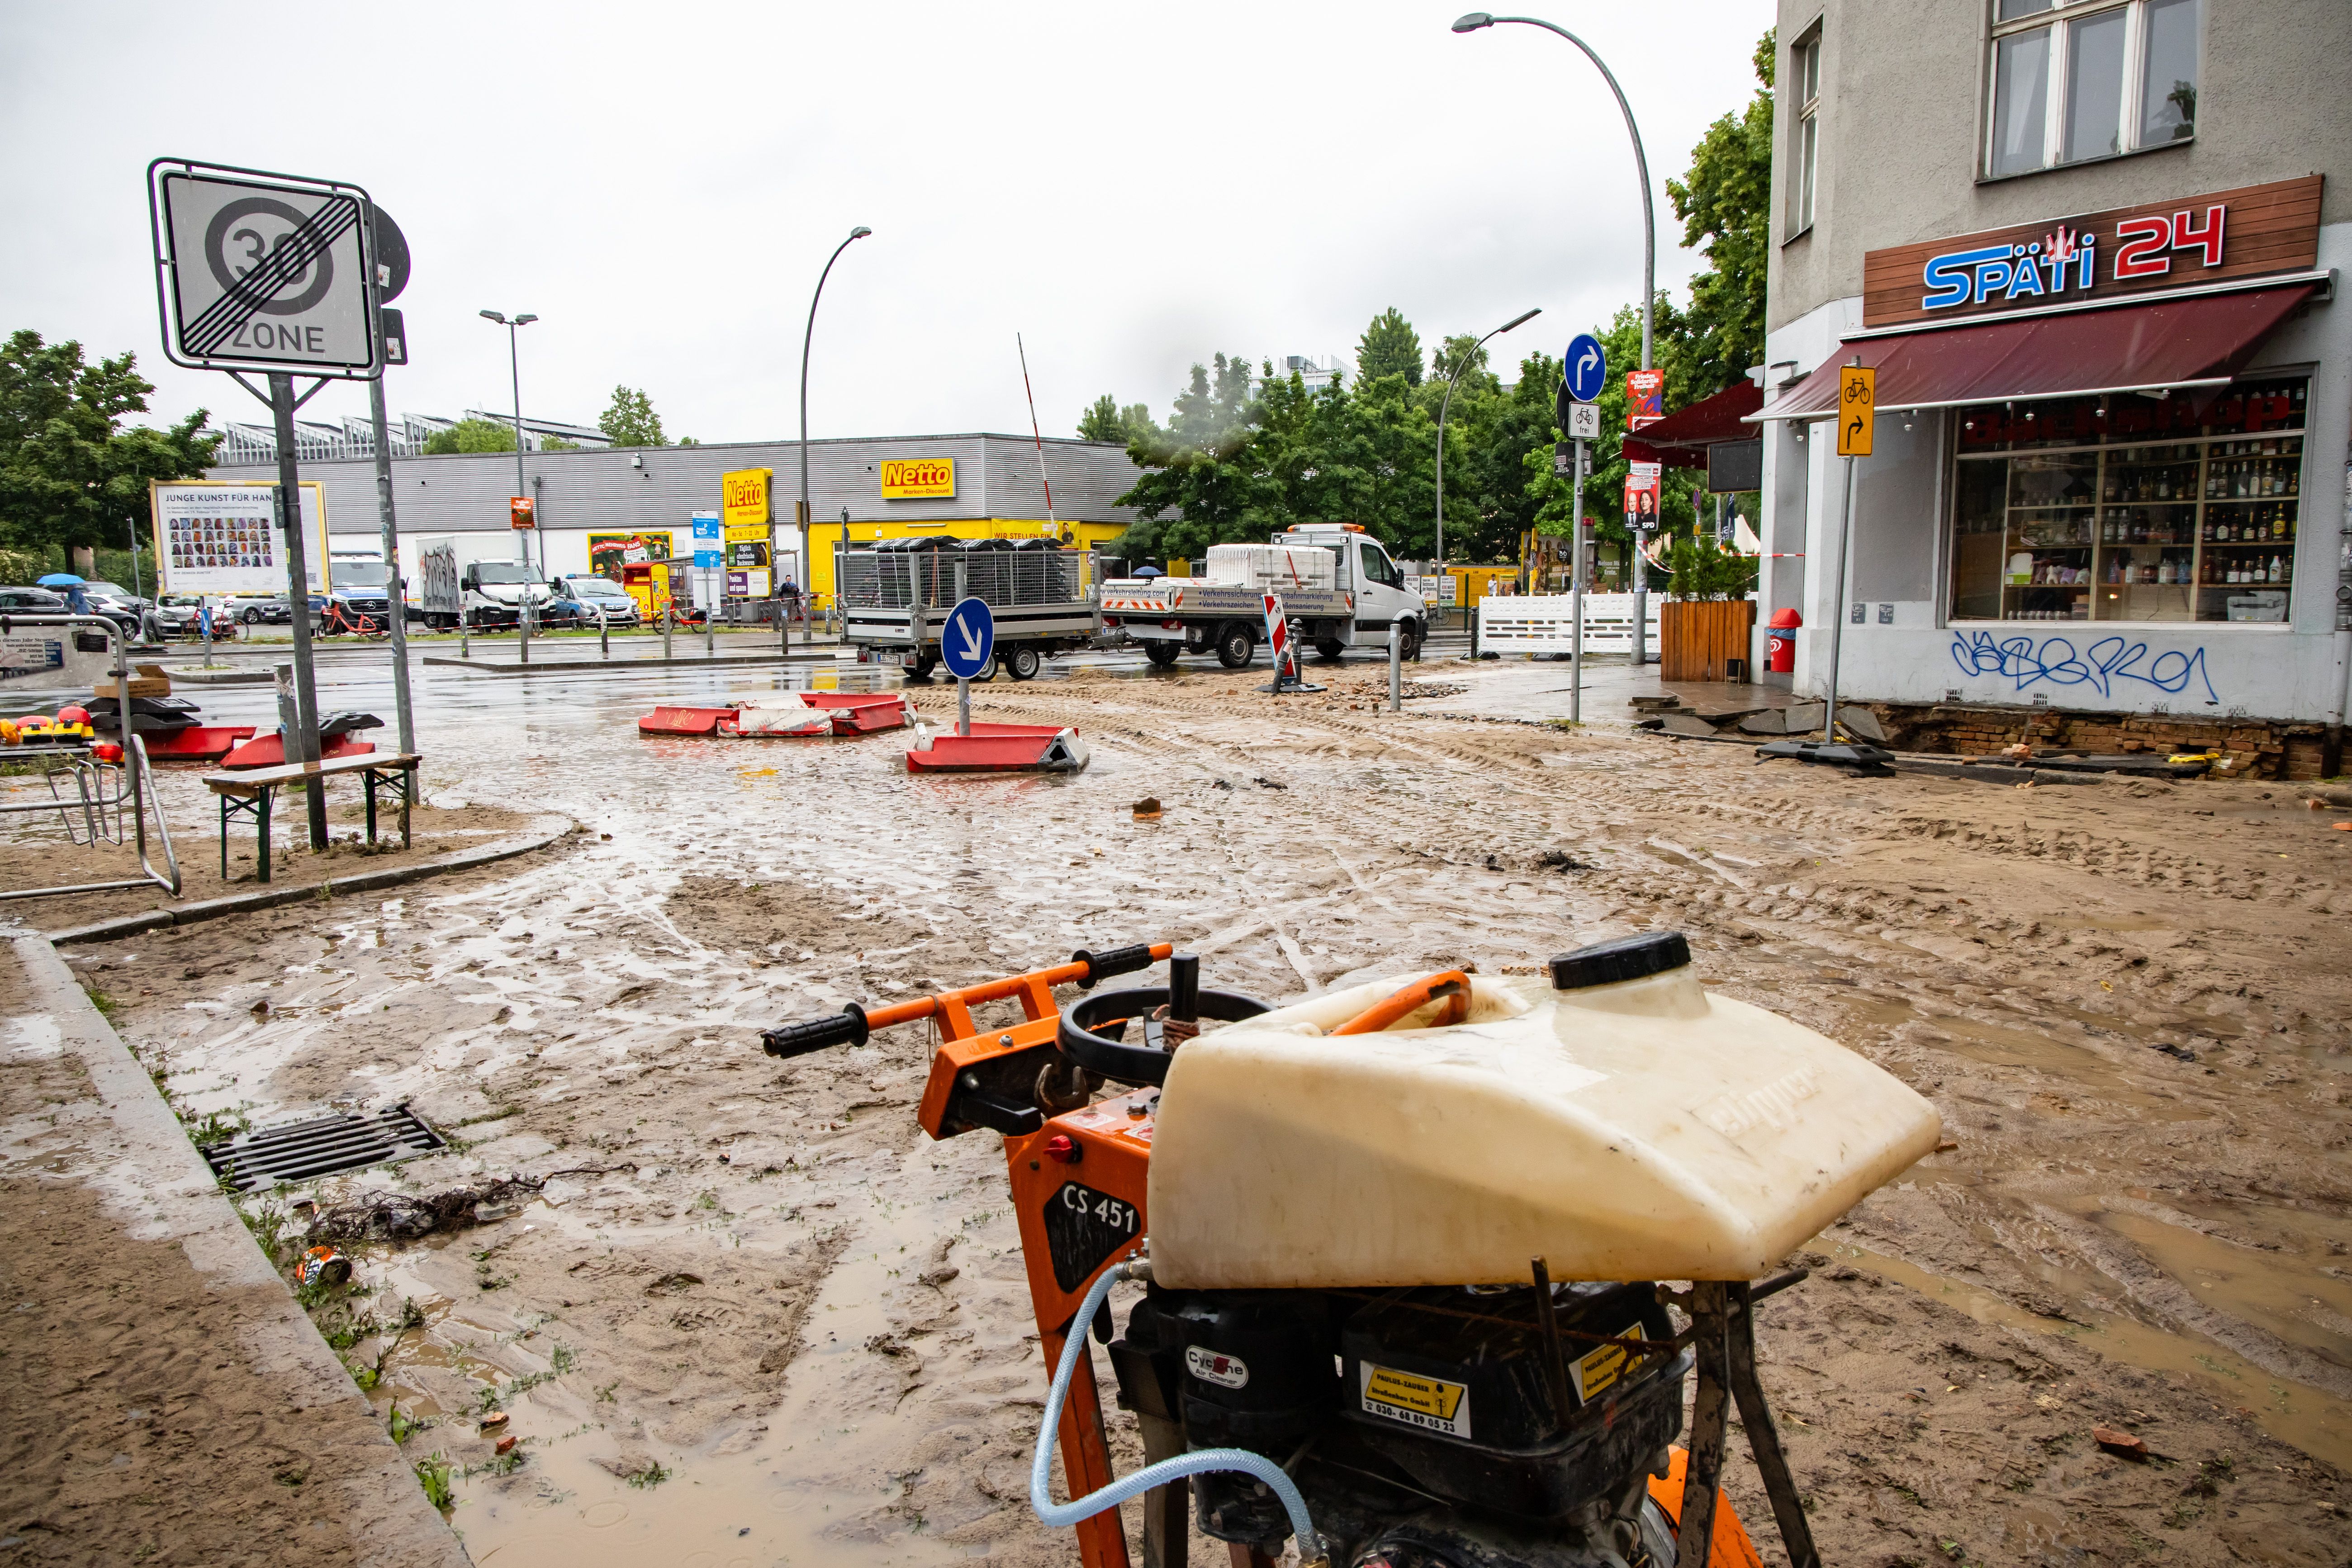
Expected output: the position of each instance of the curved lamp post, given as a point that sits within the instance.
(1472, 23)
(1460, 366)
(808, 530)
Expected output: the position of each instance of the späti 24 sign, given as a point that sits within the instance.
(917, 478)
(264, 272)
(2171, 244)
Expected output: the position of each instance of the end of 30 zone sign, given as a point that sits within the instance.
(1857, 414)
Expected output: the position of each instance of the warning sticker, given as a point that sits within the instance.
(1429, 1403)
(1604, 1366)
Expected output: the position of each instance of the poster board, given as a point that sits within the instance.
(216, 537)
(608, 552)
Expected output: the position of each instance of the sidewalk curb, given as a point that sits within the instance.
(543, 832)
(606, 666)
(173, 1193)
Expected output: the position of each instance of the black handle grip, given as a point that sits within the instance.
(846, 1028)
(1117, 960)
(1184, 988)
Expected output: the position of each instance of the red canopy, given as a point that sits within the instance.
(2201, 340)
(1680, 440)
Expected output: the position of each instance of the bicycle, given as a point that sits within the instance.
(337, 620)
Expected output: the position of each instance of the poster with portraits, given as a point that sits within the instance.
(224, 538)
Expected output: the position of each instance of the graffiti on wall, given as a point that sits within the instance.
(2102, 666)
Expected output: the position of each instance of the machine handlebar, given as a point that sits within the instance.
(1117, 960)
(1139, 1065)
(846, 1028)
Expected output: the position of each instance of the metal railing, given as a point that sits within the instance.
(136, 786)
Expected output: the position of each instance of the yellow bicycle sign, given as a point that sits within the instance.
(1857, 414)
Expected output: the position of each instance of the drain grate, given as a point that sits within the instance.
(303, 1150)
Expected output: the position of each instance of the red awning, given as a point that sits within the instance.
(1680, 440)
(2201, 340)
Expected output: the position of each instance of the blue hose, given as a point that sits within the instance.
(1058, 1515)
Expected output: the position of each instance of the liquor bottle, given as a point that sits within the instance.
(2278, 569)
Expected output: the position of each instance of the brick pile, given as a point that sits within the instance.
(2253, 748)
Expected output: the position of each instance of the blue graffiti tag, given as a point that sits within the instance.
(2100, 665)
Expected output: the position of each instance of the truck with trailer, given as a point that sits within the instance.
(1339, 590)
(475, 577)
(895, 596)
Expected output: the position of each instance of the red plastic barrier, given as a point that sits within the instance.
(1001, 749)
(269, 751)
(197, 743)
(684, 720)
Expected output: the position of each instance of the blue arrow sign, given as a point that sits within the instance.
(968, 638)
(1586, 369)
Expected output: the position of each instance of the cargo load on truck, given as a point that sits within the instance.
(1339, 590)
(895, 596)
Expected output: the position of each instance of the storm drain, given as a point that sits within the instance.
(302, 1151)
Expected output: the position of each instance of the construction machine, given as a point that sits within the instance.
(1425, 1263)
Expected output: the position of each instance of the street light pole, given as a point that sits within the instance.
(1472, 23)
(808, 532)
(514, 365)
(1451, 381)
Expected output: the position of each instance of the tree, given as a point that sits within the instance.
(1388, 347)
(471, 435)
(630, 420)
(70, 474)
(1725, 203)
(1105, 420)
(1201, 467)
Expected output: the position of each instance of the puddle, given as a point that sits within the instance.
(2303, 1418)
(2006, 1045)
(2283, 1291)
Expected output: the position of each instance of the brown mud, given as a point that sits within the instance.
(755, 1316)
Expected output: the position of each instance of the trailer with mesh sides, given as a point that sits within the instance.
(895, 596)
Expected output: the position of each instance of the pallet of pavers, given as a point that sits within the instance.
(785, 716)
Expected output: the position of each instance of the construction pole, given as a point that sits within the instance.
(302, 740)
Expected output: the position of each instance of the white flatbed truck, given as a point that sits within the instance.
(1338, 588)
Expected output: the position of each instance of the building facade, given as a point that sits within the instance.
(2091, 250)
(595, 507)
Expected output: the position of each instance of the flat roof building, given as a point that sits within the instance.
(2090, 249)
(966, 486)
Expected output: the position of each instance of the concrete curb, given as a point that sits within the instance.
(606, 666)
(171, 1193)
(545, 831)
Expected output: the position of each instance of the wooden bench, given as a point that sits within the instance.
(248, 792)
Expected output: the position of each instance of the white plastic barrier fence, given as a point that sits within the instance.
(1546, 623)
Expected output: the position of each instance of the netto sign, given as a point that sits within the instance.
(917, 478)
(2094, 256)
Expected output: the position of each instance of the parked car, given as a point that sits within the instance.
(32, 602)
(271, 611)
(116, 602)
(593, 594)
(179, 615)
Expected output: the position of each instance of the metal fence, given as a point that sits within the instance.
(1545, 623)
(901, 579)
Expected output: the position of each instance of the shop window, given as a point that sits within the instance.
(1805, 71)
(2129, 508)
(2074, 80)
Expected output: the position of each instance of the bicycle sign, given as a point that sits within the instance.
(1857, 414)
(262, 272)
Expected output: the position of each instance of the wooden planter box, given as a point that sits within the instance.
(1697, 638)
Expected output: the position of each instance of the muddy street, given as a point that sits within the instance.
(740, 1311)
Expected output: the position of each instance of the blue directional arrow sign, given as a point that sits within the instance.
(1586, 369)
(968, 638)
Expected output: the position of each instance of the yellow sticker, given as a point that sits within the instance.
(1604, 1366)
(1417, 1401)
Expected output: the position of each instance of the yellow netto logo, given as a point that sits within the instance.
(917, 478)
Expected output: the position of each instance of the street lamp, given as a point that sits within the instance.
(514, 362)
(1472, 23)
(808, 532)
(1451, 381)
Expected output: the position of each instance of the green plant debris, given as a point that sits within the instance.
(433, 1475)
(652, 1476)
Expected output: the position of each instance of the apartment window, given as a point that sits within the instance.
(1805, 71)
(2078, 79)
(2130, 508)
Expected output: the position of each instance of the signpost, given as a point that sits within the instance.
(270, 275)
(1583, 373)
(390, 277)
(1857, 423)
(967, 647)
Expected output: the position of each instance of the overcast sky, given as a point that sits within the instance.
(1131, 187)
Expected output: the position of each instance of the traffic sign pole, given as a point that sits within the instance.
(1857, 420)
(302, 744)
(1575, 585)
(1584, 370)
(390, 276)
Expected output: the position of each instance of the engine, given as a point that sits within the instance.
(1433, 1427)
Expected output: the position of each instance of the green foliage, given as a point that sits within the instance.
(1105, 420)
(557, 444)
(652, 1476)
(1725, 203)
(630, 420)
(1388, 347)
(70, 473)
(1702, 572)
(471, 435)
(433, 1475)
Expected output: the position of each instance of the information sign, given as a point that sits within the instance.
(1583, 422)
(214, 538)
(1857, 410)
(521, 512)
(968, 639)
